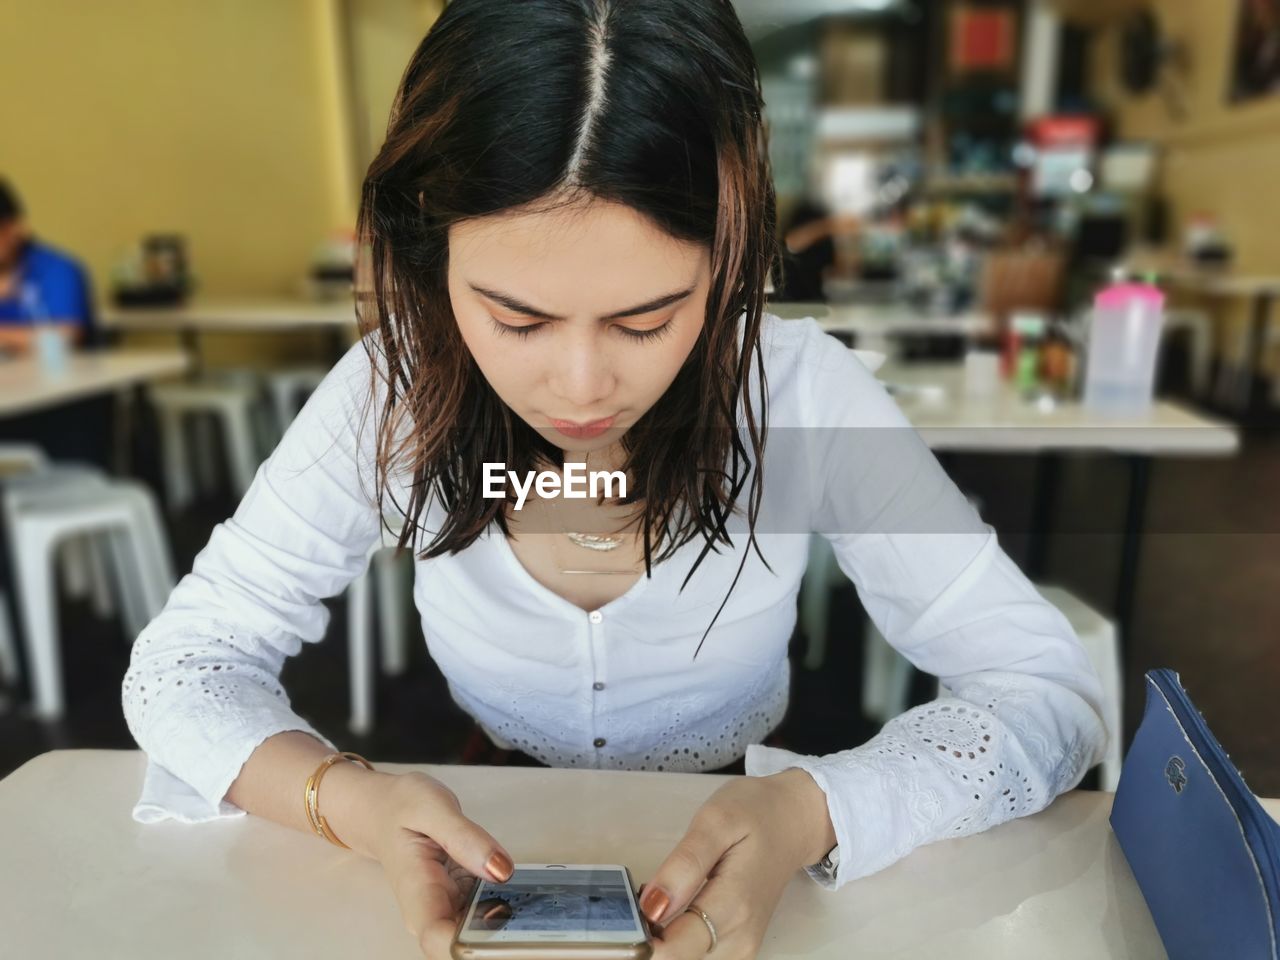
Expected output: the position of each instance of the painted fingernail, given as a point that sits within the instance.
(499, 866)
(654, 902)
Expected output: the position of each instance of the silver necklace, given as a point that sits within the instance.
(594, 541)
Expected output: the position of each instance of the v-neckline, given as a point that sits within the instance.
(537, 587)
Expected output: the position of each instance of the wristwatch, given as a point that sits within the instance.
(828, 866)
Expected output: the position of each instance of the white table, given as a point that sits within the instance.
(1235, 383)
(80, 878)
(933, 397)
(257, 316)
(25, 387)
(1235, 377)
(252, 316)
(876, 325)
(188, 321)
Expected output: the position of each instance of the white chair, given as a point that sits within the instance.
(8, 650)
(38, 520)
(233, 404)
(887, 674)
(288, 390)
(82, 562)
(385, 575)
(1234, 383)
(16, 459)
(1199, 327)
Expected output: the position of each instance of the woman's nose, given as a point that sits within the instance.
(583, 375)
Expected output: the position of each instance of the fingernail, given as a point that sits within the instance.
(654, 902)
(499, 866)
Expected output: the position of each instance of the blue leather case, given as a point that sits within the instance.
(1204, 852)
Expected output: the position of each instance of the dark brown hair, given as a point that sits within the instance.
(655, 105)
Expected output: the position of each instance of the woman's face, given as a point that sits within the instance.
(580, 317)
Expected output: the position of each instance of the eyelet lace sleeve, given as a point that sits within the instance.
(1021, 720)
(203, 690)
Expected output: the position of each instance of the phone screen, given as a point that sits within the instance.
(543, 902)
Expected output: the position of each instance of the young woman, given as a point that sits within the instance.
(570, 225)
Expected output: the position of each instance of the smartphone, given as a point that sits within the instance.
(584, 911)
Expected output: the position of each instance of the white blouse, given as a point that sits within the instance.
(618, 687)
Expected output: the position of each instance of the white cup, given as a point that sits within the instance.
(981, 373)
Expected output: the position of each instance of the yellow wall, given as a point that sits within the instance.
(383, 36)
(230, 122)
(1224, 157)
(203, 118)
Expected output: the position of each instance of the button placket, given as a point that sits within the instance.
(595, 621)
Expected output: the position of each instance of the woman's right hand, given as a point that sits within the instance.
(431, 854)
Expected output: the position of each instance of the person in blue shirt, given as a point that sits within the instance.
(38, 284)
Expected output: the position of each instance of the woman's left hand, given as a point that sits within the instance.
(742, 848)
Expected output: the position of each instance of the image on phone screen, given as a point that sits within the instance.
(580, 902)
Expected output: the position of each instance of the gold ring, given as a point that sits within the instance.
(711, 927)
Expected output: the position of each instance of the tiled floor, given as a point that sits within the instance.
(1208, 605)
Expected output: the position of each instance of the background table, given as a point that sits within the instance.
(875, 326)
(80, 878)
(25, 387)
(933, 397)
(188, 321)
(234, 315)
(1235, 380)
(275, 315)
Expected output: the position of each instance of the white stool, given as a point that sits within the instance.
(8, 650)
(288, 390)
(20, 458)
(385, 574)
(232, 405)
(886, 674)
(16, 459)
(38, 521)
(1101, 640)
(83, 567)
(1200, 329)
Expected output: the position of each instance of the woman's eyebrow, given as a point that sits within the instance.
(511, 303)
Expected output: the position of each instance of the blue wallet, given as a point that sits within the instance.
(1205, 854)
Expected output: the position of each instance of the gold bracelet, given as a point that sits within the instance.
(311, 795)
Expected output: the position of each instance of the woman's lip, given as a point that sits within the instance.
(582, 431)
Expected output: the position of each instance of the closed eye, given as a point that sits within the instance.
(525, 330)
(651, 334)
(522, 331)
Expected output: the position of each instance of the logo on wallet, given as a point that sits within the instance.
(1175, 772)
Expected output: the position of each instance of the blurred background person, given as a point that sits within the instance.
(38, 284)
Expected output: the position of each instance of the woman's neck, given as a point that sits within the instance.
(612, 457)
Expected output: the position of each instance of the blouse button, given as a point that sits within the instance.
(595, 616)
(597, 686)
(599, 741)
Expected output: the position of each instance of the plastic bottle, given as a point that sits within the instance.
(50, 346)
(1124, 338)
(1029, 328)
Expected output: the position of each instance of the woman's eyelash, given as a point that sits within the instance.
(522, 331)
(654, 333)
